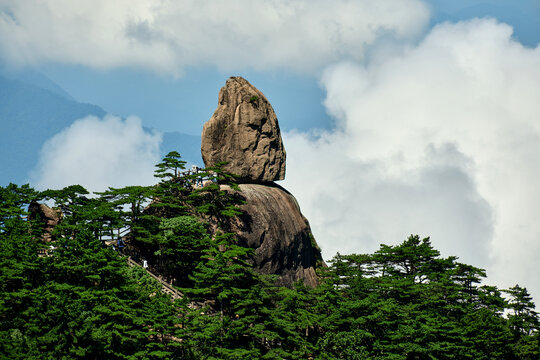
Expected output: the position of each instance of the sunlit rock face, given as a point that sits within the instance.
(244, 132)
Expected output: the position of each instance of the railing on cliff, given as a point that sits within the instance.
(110, 234)
(194, 178)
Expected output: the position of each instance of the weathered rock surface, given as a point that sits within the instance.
(274, 227)
(244, 132)
(47, 216)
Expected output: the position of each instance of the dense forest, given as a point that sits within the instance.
(76, 296)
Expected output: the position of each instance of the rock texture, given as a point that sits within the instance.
(274, 227)
(47, 216)
(244, 132)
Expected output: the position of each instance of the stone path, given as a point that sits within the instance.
(165, 287)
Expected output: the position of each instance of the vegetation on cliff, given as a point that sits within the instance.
(77, 297)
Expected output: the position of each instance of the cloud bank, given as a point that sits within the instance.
(98, 153)
(440, 139)
(168, 36)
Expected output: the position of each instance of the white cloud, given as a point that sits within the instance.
(440, 139)
(168, 36)
(98, 153)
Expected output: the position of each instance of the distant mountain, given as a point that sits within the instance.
(33, 109)
(29, 115)
(32, 77)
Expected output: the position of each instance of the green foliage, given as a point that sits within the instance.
(13, 199)
(83, 301)
(239, 318)
(128, 202)
(405, 302)
(169, 195)
(170, 166)
(185, 239)
(524, 323)
(213, 200)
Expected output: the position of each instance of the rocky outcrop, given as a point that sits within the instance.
(274, 227)
(47, 216)
(244, 133)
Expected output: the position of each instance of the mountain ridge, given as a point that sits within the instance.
(33, 109)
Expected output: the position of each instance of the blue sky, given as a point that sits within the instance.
(398, 116)
(185, 103)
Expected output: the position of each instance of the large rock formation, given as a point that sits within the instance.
(48, 217)
(244, 132)
(274, 227)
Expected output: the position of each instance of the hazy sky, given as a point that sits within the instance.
(399, 116)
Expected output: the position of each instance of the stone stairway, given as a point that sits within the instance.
(165, 287)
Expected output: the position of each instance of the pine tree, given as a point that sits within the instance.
(183, 240)
(83, 301)
(216, 201)
(170, 167)
(524, 323)
(238, 319)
